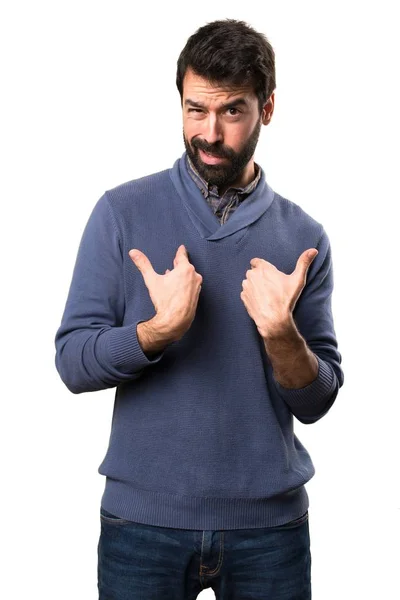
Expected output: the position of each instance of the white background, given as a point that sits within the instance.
(88, 102)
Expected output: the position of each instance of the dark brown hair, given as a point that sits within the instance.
(230, 52)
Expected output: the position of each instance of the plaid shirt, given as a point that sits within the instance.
(222, 206)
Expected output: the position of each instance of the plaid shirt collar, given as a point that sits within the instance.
(207, 189)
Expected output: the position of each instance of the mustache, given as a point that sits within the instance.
(214, 149)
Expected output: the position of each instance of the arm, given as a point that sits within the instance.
(152, 337)
(304, 354)
(94, 350)
(293, 363)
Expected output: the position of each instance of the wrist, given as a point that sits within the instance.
(153, 336)
(285, 328)
(161, 328)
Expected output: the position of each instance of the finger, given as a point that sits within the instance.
(304, 262)
(181, 255)
(256, 261)
(311, 254)
(167, 271)
(142, 262)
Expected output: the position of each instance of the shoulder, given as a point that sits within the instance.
(294, 212)
(294, 220)
(137, 201)
(136, 189)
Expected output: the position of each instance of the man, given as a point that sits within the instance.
(204, 297)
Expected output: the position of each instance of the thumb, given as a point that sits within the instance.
(304, 261)
(311, 254)
(142, 262)
(181, 255)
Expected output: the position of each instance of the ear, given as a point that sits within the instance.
(268, 109)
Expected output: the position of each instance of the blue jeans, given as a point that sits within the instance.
(146, 562)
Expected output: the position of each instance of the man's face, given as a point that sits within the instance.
(221, 127)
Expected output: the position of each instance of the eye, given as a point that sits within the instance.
(234, 113)
(194, 110)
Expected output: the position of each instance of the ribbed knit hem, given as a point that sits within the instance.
(125, 351)
(202, 513)
(313, 395)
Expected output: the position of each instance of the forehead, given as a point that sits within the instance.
(196, 87)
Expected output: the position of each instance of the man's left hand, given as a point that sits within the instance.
(270, 295)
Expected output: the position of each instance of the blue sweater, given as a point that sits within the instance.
(202, 433)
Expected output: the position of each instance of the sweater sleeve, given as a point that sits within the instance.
(313, 317)
(93, 350)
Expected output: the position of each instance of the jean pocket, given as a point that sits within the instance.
(295, 523)
(110, 518)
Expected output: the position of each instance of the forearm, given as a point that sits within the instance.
(294, 364)
(305, 381)
(153, 337)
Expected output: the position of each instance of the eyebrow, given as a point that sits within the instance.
(233, 104)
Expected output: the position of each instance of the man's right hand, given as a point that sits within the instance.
(175, 294)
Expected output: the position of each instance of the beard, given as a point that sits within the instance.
(224, 174)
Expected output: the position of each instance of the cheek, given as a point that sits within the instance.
(237, 136)
(190, 129)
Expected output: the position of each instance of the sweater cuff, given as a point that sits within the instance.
(313, 395)
(125, 352)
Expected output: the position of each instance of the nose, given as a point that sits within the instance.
(213, 130)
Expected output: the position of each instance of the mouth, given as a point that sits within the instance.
(210, 159)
